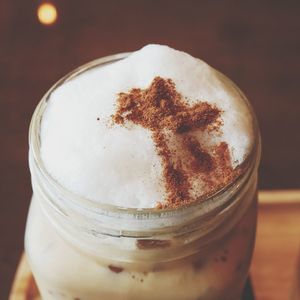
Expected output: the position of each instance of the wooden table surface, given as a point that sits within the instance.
(256, 43)
(275, 260)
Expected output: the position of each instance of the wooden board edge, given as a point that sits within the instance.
(20, 283)
(279, 196)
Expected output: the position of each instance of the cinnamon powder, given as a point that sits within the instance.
(162, 110)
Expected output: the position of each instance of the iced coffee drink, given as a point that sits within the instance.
(144, 175)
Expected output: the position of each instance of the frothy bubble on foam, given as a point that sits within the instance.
(119, 165)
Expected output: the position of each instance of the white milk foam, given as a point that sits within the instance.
(119, 165)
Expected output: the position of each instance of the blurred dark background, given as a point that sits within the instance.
(255, 43)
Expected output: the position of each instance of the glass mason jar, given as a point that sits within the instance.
(82, 250)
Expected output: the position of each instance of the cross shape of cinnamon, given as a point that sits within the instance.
(172, 122)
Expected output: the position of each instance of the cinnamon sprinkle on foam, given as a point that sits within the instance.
(162, 110)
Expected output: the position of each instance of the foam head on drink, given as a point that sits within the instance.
(159, 128)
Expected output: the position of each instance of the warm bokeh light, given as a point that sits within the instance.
(47, 13)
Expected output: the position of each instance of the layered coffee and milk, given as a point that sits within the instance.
(159, 130)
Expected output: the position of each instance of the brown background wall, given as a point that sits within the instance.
(256, 43)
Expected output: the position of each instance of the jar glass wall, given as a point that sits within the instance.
(79, 249)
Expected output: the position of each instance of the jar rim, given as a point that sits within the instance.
(252, 159)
